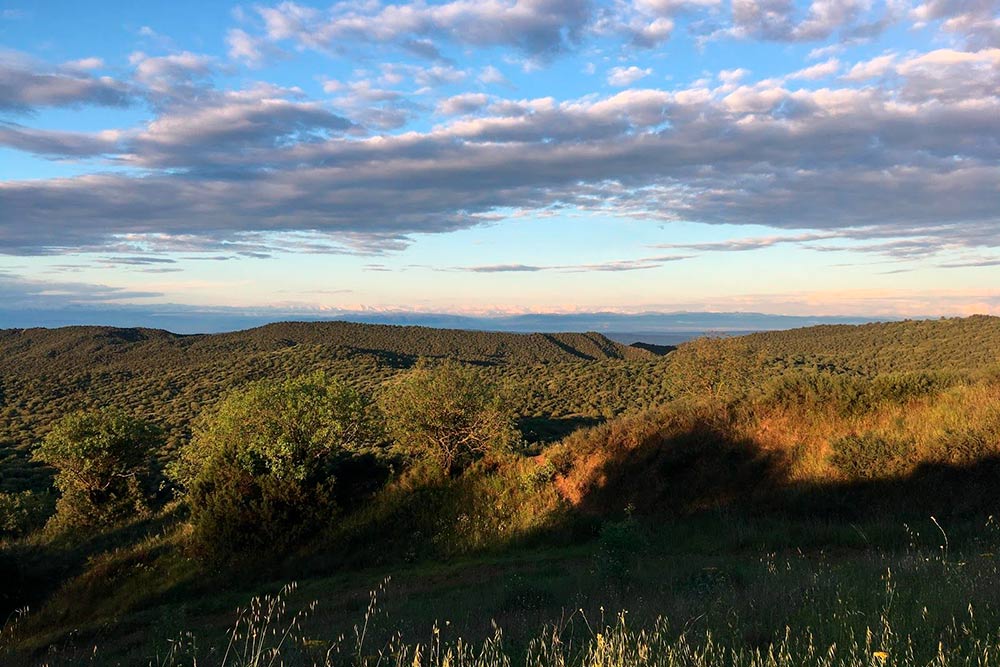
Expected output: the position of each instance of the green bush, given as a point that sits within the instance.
(103, 461)
(23, 512)
(618, 548)
(276, 460)
(850, 394)
(448, 415)
(871, 456)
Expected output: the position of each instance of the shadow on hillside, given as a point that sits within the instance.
(658, 350)
(549, 429)
(32, 571)
(399, 361)
(567, 348)
(684, 473)
(703, 469)
(932, 489)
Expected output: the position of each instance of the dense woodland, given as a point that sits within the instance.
(147, 478)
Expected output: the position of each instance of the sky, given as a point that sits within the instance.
(825, 157)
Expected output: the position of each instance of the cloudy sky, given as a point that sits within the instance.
(503, 156)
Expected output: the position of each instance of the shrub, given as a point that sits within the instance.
(102, 461)
(618, 550)
(272, 461)
(870, 456)
(849, 395)
(23, 512)
(447, 415)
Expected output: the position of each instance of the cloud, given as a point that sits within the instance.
(138, 260)
(462, 104)
(975, 21)
(980, 262)
(84, 64)
(913, 156)
(871, 69)
(649, 23)
(747, 244)
(26, 85)
(817, 71)
(490, 75)
(781, 21)
(623, 77)
(250, 49)
(535, 27)
(432, 76)
(640, 264)
(58, 144)
(227, 130)
(502, 268)
(17, 292)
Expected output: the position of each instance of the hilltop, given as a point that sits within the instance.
(88, 345)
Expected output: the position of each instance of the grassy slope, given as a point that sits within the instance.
(741, 568)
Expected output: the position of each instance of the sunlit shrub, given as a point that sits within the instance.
(273, 461)
(870, 456)
(448, 415)
(102, 460)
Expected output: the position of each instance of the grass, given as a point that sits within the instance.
(723, 582)
(762, 531)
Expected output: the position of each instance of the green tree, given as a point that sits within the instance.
(270, 463)
(102, 459)
(448, 415)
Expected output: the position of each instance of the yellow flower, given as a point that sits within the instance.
(880, 656)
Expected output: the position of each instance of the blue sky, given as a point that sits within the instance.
(826, 157)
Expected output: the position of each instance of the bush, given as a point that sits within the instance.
(447, 415)
(273, 460)
(23, 512)
(849, 395)
(871, 456)
(103, 461)
(618, 550)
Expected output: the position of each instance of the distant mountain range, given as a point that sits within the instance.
(652, 327)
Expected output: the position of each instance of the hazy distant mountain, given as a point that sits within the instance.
(664, 328)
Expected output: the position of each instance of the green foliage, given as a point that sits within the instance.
(23, 512)
(846, 395)
(719, 368)
(447, 415)
(870, 456)
(171, 379)
(618, 550)
(262, 469)
(742, 426)
(102, 459)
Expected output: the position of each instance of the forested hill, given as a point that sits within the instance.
(887, 347)
(171, 379)
(554, 380)
(48, 349)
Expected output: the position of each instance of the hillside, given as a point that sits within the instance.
(888, 347)
(688, 476)
(170, 378)
(557, 381)
(113, 347)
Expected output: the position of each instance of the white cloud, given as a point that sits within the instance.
(491, 75)
(871, 69)
(626, 76)
(817, 71)
(462, 104)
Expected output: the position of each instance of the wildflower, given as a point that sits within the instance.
(880, 657)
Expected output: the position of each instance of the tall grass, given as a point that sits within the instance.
(267, 633)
